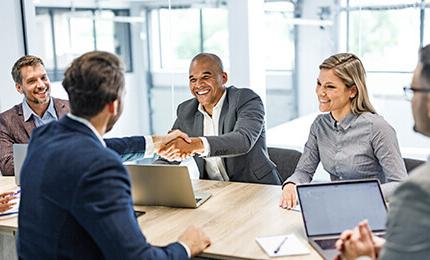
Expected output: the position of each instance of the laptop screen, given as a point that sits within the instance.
(331, 208)
(19, 153)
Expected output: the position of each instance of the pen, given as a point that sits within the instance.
(280, 245)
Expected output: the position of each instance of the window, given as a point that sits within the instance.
(386, 35)
(70, 33)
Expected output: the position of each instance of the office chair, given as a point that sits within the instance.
(412, 164)
(285, 159)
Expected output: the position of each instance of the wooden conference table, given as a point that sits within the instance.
(233, 217)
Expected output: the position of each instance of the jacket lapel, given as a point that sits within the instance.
(224, 111)
(28, 125)
(198, 124)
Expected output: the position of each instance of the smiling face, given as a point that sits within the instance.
(206, 80)
(35, 85)
(333, 95)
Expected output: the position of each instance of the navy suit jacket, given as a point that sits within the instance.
(76, 201)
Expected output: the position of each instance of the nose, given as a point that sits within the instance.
(40, 83)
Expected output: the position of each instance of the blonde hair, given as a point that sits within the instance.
(349, 68)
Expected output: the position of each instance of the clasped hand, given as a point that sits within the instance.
(181, 147)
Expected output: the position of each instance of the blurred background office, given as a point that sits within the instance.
(271, 46)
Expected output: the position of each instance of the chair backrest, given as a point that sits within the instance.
(411, 164)
(285, 159)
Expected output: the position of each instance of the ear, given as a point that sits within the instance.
(353, 92)
(18, 88)
(224, 77)
(113, 107)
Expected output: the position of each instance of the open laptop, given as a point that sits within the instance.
(163, 185)
(330, 208)
(19, 153)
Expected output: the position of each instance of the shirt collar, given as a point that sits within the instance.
(217, 107)
(28, 112)
(89, 125)
(346, 122)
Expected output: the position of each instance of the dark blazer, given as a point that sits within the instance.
(242, 136)
(14, 130)
(76, 201)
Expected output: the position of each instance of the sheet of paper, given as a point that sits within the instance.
(297, 208)
(291, 246)
(15, 207)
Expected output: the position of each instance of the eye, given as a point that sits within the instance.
(205, 77)
(192, 80)
(331, 86)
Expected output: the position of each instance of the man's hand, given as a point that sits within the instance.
(288, 198)
(195, 239)
(161, 141)
(179, 149)
(359, 242)
(5, 199)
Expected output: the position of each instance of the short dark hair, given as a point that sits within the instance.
(92, 81)
(424, 56)
(27, 60)
(209, 56)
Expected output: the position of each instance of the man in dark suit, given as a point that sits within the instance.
(37, 108)
(75, 192)
(228, 126)
(408, 223)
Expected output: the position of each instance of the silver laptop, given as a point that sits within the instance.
(163, 185)
(19, 153)
(330, 208)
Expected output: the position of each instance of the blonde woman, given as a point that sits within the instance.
(350, 139)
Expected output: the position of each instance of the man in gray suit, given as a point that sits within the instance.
(227, 125)
(408, 223)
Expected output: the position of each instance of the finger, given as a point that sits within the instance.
(346, 235)
(6, 194)
(178, 133)
(339, 245)
(365, 233)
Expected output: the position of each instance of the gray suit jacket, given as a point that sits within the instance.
(14, 130)
(408, 224)
(242, 139)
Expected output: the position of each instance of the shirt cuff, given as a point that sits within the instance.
(149, 146)
(186, 248)
(206, 146)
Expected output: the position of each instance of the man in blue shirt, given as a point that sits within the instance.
(75, 192)
(37, 108)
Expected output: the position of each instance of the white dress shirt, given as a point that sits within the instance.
(214, 165)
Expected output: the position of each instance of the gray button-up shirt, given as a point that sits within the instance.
(358, 147)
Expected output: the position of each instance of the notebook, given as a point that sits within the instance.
(19, 153)
(163, 185)
(330, 208)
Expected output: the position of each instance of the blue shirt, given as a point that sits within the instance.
(48, 116)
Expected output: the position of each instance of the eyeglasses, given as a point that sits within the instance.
(409, 91)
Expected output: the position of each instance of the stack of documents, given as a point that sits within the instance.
(283, 245)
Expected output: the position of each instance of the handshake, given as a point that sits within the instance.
(177, 146)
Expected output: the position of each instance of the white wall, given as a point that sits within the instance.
(314, 45)
(11, 47)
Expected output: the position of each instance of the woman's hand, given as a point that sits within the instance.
(288, 197)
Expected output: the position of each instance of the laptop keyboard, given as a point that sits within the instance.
(327, 243)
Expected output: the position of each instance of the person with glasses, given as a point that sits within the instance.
(408, 222)
(350, 139)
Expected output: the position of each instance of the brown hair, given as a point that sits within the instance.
(92, 81)
(27, 60)
(349, 68)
